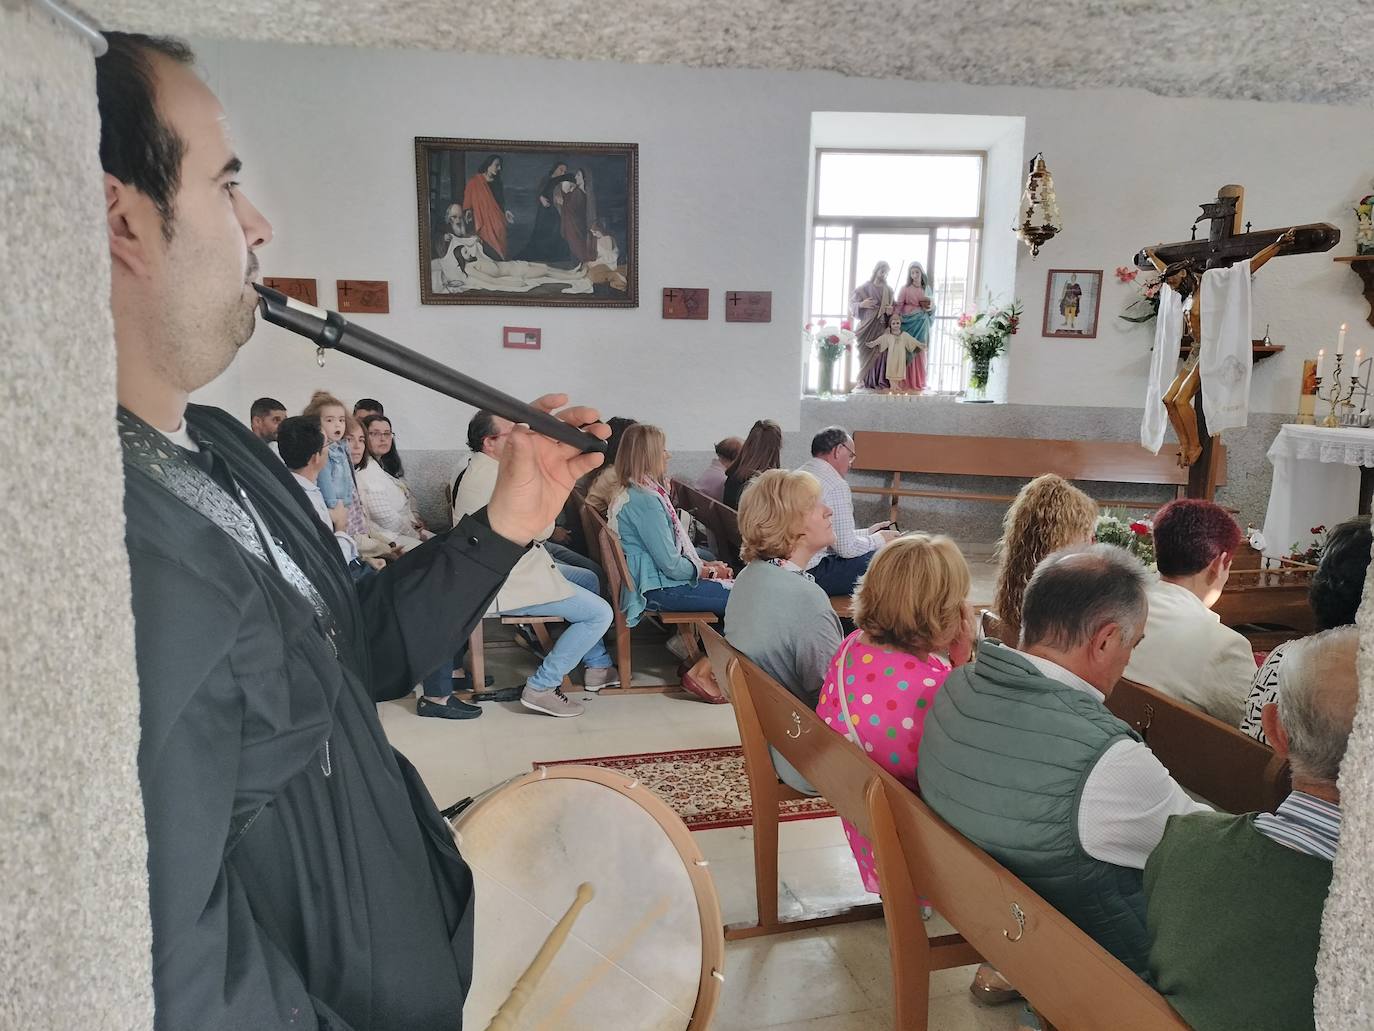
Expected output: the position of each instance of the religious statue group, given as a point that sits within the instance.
(568, 246)
(892, 332)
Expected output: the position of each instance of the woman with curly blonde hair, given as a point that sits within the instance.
(1049, 513)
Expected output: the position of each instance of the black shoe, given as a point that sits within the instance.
(453, 709)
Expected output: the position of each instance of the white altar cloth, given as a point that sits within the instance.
(1316, 481)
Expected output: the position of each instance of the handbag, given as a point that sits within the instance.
(839, 690)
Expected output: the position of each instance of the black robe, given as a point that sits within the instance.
(299, 873)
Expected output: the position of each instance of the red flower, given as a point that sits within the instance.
(846, 323)
(807, 327)
(1140, 529)
(1317, 530)
(1125, 274)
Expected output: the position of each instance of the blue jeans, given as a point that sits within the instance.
(837, 576)
(579, 576)
(702, 596)
(566, 558)
(588, 615)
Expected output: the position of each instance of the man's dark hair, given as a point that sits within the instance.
(727, 450)
(136, 146)
(299, 438)
(828, 439)
(1075, 592)
(1338, 583)
(369, 404)
(1191, 533)
(618, 424)
(480, 427)
(265, 406)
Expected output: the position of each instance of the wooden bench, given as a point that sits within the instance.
(1208, 757)
(477, 644)
(721, 522)
(612, 559)
(1268, 604)
(766, 793)
(1013, 457)
(1071, 980)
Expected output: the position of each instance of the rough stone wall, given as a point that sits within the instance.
(74, 937)
(1345, 965)
(1299, 51)
(73, 920)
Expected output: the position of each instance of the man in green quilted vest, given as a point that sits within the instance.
(1234, 903)
(1021, 756)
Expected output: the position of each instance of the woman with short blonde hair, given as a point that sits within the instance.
(778, 615)
(914, 627)
(1049, 513)
(772, 521)
(913, 595)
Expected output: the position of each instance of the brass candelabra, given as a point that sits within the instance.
(1334, 396)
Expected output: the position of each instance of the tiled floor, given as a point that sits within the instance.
(830, 979)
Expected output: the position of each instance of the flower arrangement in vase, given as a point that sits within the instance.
(1135, 535)
(1312, 554)
(830, 343)
(1145, 305)
(984, 335)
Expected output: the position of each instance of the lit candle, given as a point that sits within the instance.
(1321, 357)
(1340, 342)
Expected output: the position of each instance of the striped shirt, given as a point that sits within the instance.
(1304, 823)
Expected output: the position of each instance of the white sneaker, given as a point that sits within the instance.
(594, 680)
(550, 703)
(677, 647)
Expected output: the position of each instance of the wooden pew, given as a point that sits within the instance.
(1070, 980)
(1268, 604)
(612, 558)
(1208, 757)
(721, 522)
(1014, 457)
(766, 793)
(1067, 976)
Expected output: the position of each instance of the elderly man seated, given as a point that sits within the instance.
(1021, 756)
(1234, 903)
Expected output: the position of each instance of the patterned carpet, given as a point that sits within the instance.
(707, 787)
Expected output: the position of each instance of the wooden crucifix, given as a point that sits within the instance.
(1182, 265)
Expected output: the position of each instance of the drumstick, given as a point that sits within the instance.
(610, 959)
(529, 980)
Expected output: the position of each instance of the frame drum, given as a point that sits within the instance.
(646, 954)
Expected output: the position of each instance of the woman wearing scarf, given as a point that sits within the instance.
(667, 573)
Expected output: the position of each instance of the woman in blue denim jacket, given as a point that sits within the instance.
(336, 478)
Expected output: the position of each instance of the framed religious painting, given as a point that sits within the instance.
(524, 223)
(1073, 298)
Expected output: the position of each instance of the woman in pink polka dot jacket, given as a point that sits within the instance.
(914, 625)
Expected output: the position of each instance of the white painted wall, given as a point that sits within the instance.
(725, 163)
